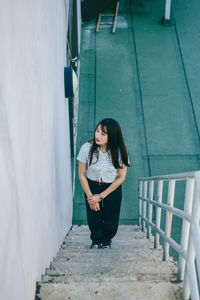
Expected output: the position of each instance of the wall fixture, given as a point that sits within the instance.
(70, 81)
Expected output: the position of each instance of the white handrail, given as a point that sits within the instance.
(189, 247)
(179, 176)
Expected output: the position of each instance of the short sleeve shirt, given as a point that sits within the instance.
(101, 169)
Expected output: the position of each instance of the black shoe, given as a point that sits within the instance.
(95, 246)
(106, 245)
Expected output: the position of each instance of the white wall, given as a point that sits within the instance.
(35, 172)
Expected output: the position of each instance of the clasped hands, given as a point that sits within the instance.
(93, 202)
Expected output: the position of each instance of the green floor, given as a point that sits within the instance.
(146, 76)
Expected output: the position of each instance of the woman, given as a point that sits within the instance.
(103, 163)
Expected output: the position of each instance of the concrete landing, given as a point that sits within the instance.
(146, 76)
(132, 269)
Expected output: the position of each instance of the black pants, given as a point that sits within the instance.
(103, 223)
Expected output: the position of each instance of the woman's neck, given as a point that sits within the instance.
(103, 148)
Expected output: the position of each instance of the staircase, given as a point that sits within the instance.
(132, 269)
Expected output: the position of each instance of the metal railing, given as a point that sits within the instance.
(189, 247)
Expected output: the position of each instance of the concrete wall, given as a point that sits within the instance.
(35, 176)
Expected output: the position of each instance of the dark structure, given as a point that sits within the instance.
(91, 8)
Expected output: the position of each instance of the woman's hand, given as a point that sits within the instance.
(93, 202)
(94, 198)
(94, 206)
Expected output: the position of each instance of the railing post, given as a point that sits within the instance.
(191, 249)
(168, 220)
(151, 188)
(144, 204)
(158, 213)
(167, 9)
(140, 201)
(190, 236)
(190, 286)
(189, 192)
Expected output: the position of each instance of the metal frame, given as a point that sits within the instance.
(114, 15)
(189, 248)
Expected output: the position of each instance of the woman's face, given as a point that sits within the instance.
(101, 138)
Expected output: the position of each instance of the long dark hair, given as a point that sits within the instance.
(115, 143)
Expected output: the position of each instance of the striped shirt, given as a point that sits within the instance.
(101, 169)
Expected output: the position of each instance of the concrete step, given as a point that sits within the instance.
(84, 228)
(96, 262)
(83, 250)
(123, 230)
(122, 247)
(115, 249)
(57, 277)
(129, 241)
(151, 290)
(120, 241)
(132, 266)
(119, 234)
(110, 255)
(101, 272)
(121, 256)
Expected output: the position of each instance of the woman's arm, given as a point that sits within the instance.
(119, 180)
(83, 178)
(85, 185)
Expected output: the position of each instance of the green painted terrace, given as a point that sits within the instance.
(146, 76)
